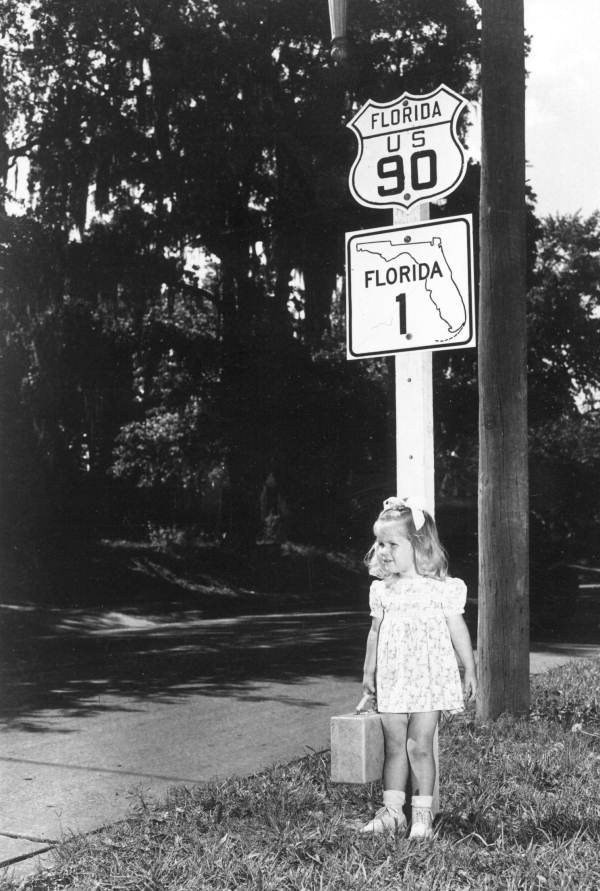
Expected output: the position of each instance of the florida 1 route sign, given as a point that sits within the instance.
(408, 149)
(410, 288)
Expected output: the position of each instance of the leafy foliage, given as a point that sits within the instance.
(564, 319)
(564, 326)
(171, 304)
(160, 132)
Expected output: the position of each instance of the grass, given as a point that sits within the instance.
(520, 810)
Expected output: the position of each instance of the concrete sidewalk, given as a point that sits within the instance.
(100, 707)
(251, 691)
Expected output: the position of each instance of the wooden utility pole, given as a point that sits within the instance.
(503, 631)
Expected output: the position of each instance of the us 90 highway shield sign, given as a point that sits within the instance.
(409, 151)
(410, 288)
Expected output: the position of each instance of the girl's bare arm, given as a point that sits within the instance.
(461, 641)
(371, 657)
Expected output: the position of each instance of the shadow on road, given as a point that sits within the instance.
(79, 662)
(68, 661)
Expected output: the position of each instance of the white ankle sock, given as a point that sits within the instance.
(394, 798)
(422, 801)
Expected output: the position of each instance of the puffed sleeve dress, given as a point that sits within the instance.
(417, 670)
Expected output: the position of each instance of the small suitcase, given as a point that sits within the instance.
(357, 750)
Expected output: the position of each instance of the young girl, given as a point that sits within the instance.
(410, 662)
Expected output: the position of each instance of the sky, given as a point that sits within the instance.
(562, 105)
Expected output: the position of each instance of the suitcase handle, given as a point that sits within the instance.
(367, 704)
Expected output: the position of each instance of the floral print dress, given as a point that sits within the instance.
(417, 669)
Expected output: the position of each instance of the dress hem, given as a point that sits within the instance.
(417, 711)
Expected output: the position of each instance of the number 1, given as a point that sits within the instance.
(401, 301)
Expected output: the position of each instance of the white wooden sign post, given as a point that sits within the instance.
(410, 288)
(415, 465)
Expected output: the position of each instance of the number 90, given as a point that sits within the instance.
(423, 172)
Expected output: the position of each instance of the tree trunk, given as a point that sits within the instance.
(503, 633)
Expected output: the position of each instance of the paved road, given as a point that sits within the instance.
(99, 706)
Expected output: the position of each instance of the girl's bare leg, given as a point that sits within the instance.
(419, 745)
(396, 766)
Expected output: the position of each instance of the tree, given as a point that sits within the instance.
(564, 326)
(157, 128)
(564, 319)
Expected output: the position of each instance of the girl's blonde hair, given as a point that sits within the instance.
(430, 557)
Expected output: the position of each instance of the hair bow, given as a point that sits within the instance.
(414, 505)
